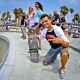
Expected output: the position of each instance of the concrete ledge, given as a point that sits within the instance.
(4, 49)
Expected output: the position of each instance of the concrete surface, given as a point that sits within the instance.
(19, 66)
(4, 49)
(75, 43)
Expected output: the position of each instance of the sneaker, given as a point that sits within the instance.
(39, 48)
(61, 73)
(45, 63)
(28, 51)
(6, 28)
(24, 37)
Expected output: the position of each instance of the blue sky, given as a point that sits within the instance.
(48, 5)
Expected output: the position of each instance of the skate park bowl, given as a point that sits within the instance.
(7, 55)
(4, 49)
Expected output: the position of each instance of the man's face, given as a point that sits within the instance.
(54, 13)
(46, 22)
(36, 5)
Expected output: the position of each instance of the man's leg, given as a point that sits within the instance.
(39, 40)
(23, 32)
(21, 29)
(51, 56)
(39, 44)
(6, 27)
(64, 59)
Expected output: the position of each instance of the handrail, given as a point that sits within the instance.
(71, 25)
(72, 32)
(9, 25)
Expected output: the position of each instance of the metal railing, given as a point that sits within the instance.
(73, 28)
(11, 28)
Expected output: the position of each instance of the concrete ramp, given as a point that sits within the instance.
(24, 69)
(4, 49)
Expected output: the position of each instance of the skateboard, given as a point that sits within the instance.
(33, 45)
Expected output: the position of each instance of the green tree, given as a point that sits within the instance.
(73, 20)
(64, 10)
(50, 15)
(6, 15)
(3, 15)
(76, 17)
(16, 12)
(79, 19)
(71, 10)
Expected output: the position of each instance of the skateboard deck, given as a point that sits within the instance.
(33, 46)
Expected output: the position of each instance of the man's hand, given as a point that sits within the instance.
(50, 37)
(35, 28)
(55, 40)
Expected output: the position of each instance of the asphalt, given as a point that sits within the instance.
(18, 65)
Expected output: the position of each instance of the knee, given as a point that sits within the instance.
(65, 54)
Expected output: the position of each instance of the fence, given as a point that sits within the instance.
(73, 29)
(11, 27)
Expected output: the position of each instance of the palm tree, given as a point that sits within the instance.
(0, 13)
(76, 17)
(8, 15)
(64, 10)
(73, 20)
(50, 15)
(79, 19)
(3, 15)
(16, 12)
(20, 10)
(71, 10)
(1, 19)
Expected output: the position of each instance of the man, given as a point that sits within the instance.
(59, 43)
(8, 23)
(56, 18)
(22, 25)
(63, 21)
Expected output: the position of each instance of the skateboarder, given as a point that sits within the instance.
(57, 40)
(22, 25)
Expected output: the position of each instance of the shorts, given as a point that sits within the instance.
(40, 26)
(52, 54)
